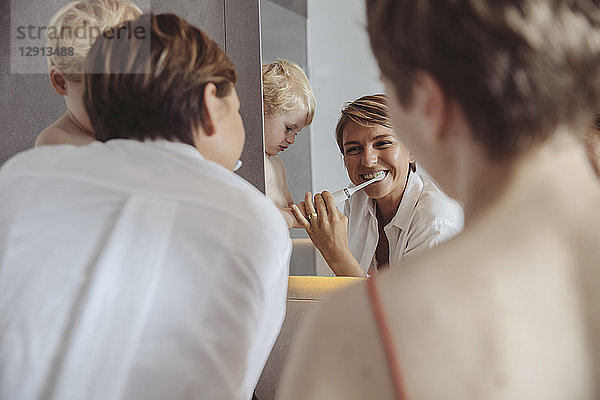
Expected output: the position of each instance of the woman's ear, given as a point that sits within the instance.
(58, 81)
(212, 107)
(432, 105)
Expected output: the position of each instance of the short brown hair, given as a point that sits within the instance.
(156, 94)
(518, 68)
(365, 111)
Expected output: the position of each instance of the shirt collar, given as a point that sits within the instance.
(178, 148)
(412, 192)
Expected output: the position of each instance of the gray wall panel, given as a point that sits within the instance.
(29, 104)
(207, 15)
(242, 44)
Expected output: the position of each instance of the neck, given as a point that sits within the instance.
(388, 206)
(543, 169)
(78, 126)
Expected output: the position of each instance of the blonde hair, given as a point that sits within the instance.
(286, 87)
(93, 16)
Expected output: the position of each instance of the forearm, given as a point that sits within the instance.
(289, 218)
(343, 263)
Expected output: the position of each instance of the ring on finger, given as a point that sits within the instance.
(312, 215)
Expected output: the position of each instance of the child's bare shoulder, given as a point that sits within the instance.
(57, 134)
(275, 164)
(51, 135)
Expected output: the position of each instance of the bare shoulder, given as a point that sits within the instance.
(477, 321)
(56, 134)
(336, 354)
(501, 310)
(276, 163)
(339, 353)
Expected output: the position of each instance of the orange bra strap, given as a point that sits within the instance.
(386, 338)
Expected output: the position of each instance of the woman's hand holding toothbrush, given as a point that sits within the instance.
(327, 228)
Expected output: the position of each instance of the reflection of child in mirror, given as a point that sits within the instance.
(74, 126)
(289, 105)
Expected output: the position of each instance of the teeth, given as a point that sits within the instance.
(373, 175)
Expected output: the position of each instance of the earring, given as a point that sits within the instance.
(413, 166)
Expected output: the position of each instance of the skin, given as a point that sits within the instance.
(592, 147)
(221, 139)
(280, 133)
(509, 309)
(74, 126)
(281, 130)
(367, 150)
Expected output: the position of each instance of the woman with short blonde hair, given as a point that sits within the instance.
(401, 215)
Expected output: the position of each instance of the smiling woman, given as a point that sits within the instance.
(402, 214)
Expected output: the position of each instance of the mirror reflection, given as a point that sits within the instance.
(329, 42)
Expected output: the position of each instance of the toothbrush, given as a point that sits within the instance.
(346, 192)
(238, 165)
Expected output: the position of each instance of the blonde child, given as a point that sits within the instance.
(289, 105)
(65, 71)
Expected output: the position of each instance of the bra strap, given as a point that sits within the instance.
(386, 338)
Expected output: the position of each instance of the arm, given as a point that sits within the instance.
(277, 189)
(288, 215)
(329, 233)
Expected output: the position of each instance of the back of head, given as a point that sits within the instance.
(151, 86)
(519, 69)
(78, 24)
(365, 111)
(285, 88)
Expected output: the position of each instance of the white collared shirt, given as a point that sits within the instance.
(133, 270)
(425, 217)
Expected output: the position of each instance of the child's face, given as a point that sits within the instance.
(281, 129)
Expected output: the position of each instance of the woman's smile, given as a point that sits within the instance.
(370, 175)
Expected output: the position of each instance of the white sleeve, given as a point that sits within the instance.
(438, 219)
(429, 234)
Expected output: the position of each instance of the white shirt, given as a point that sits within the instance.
(134, 270)
(425, 218)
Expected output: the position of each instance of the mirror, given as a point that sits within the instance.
(329, 41)
(31, 104)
